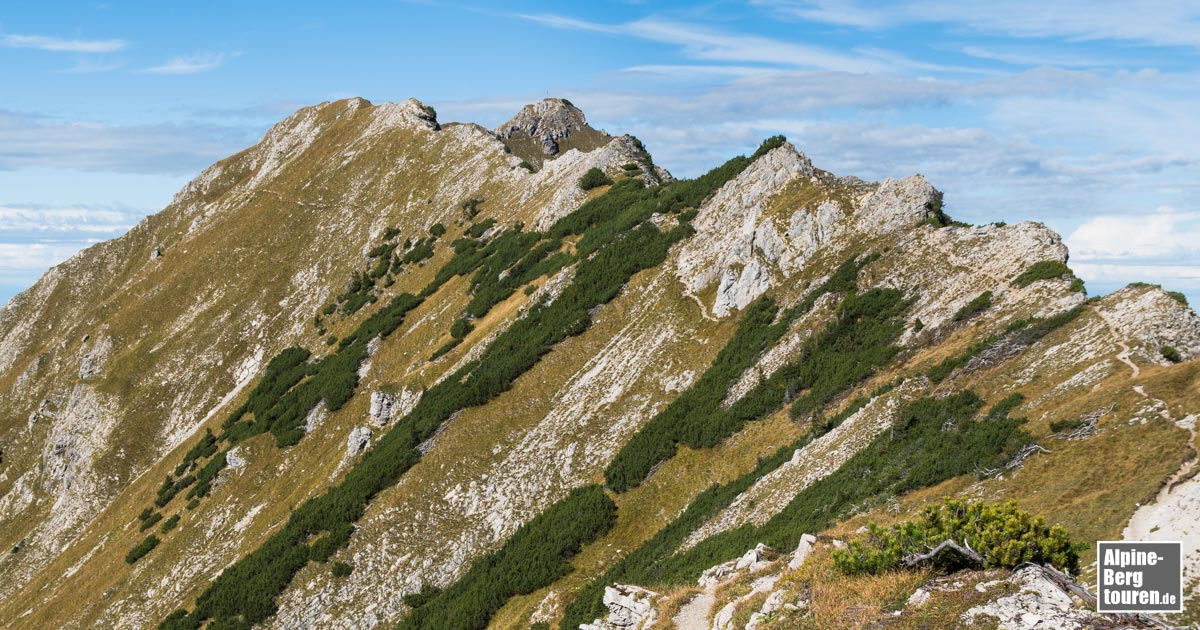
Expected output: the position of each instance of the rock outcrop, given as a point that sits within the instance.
(546, 123)
(630, 608)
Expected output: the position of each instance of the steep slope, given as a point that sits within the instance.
(493, 369)
(119, 354)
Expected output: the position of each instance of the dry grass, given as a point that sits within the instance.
(670, 604)
(838, 602)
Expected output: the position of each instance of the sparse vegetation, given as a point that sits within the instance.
(477, 229)
(170, 524)
(341, 569)
(1021, 333)
(844, 353)
(141, 549)
(1171, 354)
(461, 328)
(594, 178)
(1059, 426)
(768, 145)
(932, 440)
(470, 207)
(422, 250)
(1178, 297)
(1044, 270)
(642, 565)
(981, 303)
(149, 522)
(534, 556)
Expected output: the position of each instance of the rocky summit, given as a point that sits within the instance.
(380, 370)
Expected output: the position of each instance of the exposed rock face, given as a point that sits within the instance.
(564, 172)
(733, 245)
(546, 122)
(631, 608)
(235, 460)
(1152, 319)
(316, 416)
(382, 405)
(815, 461)
(802, 550)
(751, 237)
(94, 359)
(948, 267)
(1040, 604)
(358, 441)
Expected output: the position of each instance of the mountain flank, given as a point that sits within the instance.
(383, 371)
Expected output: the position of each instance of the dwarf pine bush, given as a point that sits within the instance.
(1003, 535)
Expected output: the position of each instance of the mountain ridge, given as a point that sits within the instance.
(341, 175)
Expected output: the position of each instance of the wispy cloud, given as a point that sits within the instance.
(704, 43)
(34, 141)
(19, 260)
(34, 237)
(60, 222)
(88, 66)
(1156, 22)
(189, 65)
(55, 44)
(837, 12)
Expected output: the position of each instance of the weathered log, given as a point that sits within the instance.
(962, 550)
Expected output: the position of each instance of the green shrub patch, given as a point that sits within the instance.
(1002, 535)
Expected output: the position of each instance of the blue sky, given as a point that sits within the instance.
(1078, 114)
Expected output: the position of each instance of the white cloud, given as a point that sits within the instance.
(1112, 250)
(1157, 22)
(1164, 235)
(189, 65)
(18, 258)
(1036, 57)
(691, 71)
(838, 12)
(31, 141)
(80, 220)
(704, 43)
(55, 44)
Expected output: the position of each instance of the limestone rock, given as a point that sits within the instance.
(918, 598)
(723, 620)
(382, 405)
(630, 608)
(93, 361)
(802, 550)
(234, 459)
(546, 122)
(1151, 318)
(358, 441)
(1040, 604)
(316, 416)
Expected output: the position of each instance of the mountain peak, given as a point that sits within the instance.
(545, 129)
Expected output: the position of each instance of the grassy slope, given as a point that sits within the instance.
(266, 258)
